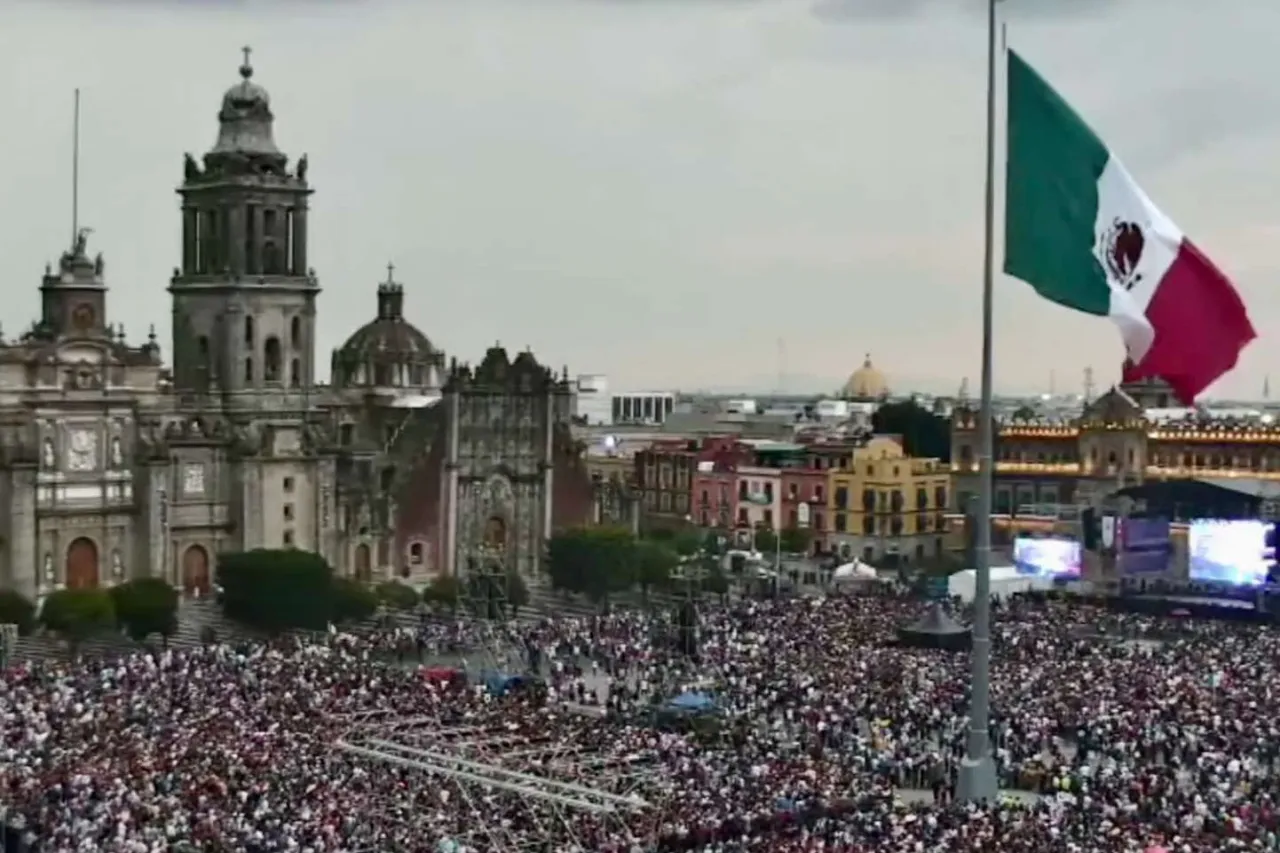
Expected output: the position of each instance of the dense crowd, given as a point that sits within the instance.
(822, 724)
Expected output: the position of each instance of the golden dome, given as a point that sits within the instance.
(866, 383)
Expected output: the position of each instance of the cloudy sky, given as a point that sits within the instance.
(660, 191)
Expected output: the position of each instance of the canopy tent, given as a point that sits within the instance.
(500, 683)
(856, 570)
(691, 702)
(936, 630)
(1005, 581)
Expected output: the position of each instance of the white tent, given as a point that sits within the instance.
(855, 570)
(1005, 581)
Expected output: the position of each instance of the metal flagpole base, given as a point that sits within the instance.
(977, 781)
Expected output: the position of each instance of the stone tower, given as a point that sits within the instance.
(244, 299)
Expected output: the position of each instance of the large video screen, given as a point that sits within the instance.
(1049, 558)
(1143, 545)
(1239, 553)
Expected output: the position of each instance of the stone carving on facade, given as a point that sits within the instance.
(48, 568)
(117, 452)
(193, 479)
(49, 456)
(117, 565)
(82, 451)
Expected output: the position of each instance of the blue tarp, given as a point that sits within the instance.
(692, 703)
(500, 683)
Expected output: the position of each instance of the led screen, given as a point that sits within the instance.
(1050, 558)
(1239, 553)
(1143, 545)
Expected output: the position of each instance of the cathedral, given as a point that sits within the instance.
(116, 465)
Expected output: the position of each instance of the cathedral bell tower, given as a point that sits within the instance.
(73, 298)
(244, 299)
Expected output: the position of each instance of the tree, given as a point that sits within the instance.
(715, 582)
(444, 590)
(352, 601)
(276, 590)
(766, 541)
(396, 595)
(653, 563)
(923, 433)
(796, 540)
(687, 542)
(594, 561)
(146, 606)
(77, 614)
(17, 609)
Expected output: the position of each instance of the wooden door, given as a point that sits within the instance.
(364, 570)
(82, 564)
(195, 571)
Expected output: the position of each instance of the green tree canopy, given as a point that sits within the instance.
(352, 601)
(77, 614)
(594, 561)
(17, 609)
(796, 540)
(399, 596)
(766, 540)
(276, 589)
(146, 606)
(653, 563)
(923, 433)
(444, 590)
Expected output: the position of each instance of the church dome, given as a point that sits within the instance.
(245, 119)
(866, 383)
(388, 350)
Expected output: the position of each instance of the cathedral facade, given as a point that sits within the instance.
(115, 465)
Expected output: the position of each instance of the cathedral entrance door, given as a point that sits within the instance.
(195, 571)
(82, 564)
(364, 571)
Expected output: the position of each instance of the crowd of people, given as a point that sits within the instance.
(823, 734)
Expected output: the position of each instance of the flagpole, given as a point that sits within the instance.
(977, 778)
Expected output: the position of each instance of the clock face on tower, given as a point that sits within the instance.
(82, 317)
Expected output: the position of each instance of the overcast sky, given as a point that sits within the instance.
(656, 190)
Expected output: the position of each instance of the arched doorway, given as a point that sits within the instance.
(82, 564)
(195, 570)
(364, 570)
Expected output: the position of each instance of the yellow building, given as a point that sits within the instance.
(885, 506)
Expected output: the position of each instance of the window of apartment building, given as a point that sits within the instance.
(922, 498)
(768, 518)
(706, 498)
(895, 525)
(871, 470)
(793, 519)
(664, 502)
(923, 523)
(288, 512)
(842, 497)
(742, 516)
(817, 522)
(897, 500)
(895, 472)
(818, 493)
(742, 490)
(288, 539)
(868, 500)
(724, 494)
(842, 523)
(940, 497)
(793, 491)
(682, 502)
(706, 518)
(768, 492)
(868, 525)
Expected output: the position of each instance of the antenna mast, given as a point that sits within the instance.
(75, 169)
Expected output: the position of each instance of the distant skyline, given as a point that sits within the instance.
(655, 191)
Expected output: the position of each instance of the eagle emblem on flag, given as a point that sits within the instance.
(1120, 250)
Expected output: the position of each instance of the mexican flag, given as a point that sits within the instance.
(1082, 233)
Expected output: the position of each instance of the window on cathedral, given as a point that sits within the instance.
(251, 260)
(271, 360)
(270, 259)
(295, 373)
(288, 539)
(248, 370)
(248, 331)
(288, 240)
(202, 346)
(288, 484)
(388, 477)
(415, 553)
(288, 512)
(295, 333)
(346, 433)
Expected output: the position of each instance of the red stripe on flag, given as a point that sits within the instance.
(1200, 323)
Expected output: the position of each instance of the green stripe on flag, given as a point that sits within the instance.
(1051, 194)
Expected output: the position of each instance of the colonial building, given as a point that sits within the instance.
(114, 466)
(1130, 436)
